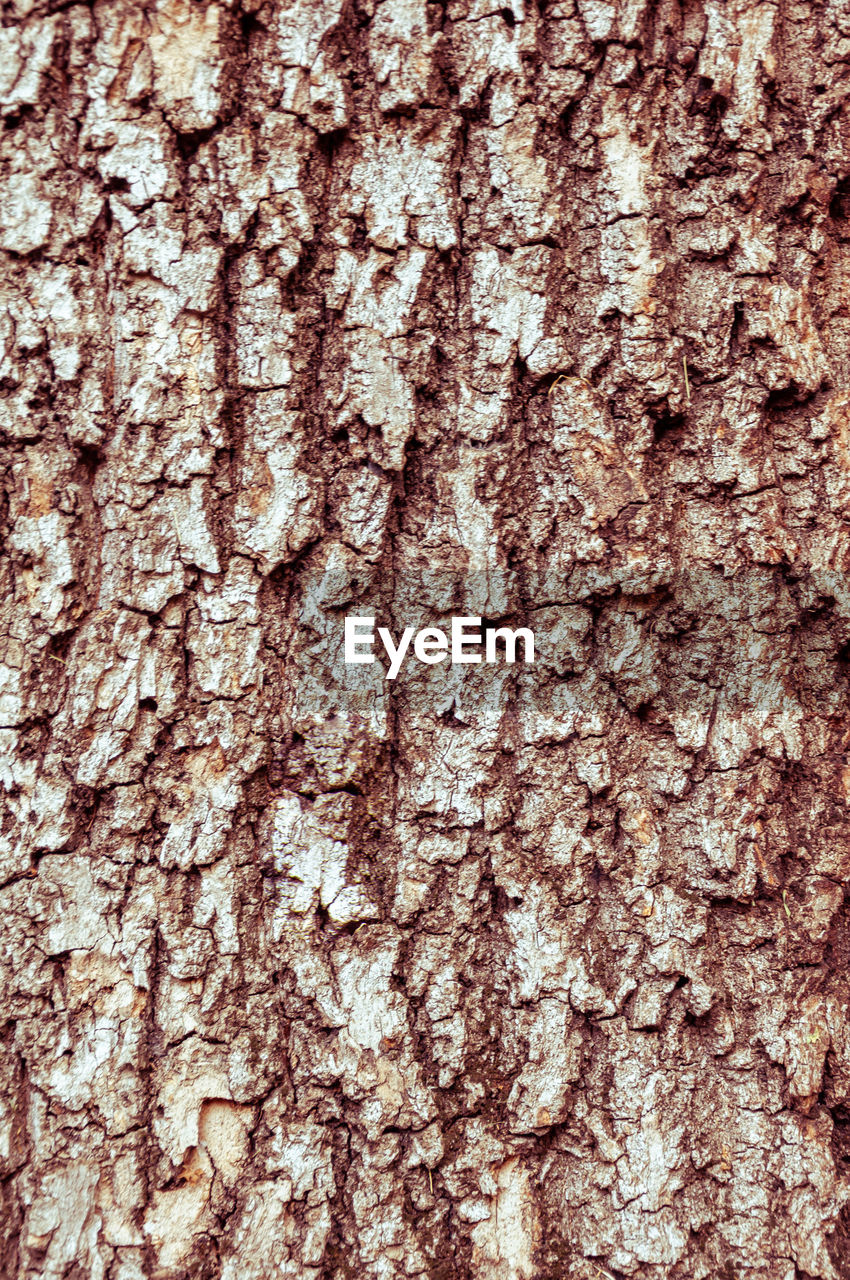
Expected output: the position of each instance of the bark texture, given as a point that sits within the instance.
(538, 311)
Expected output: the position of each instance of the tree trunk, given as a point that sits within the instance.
(535, 314)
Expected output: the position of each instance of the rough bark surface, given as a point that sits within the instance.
(537, 311)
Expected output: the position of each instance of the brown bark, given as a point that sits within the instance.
(536, 312)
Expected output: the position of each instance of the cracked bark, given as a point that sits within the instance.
(533, 311)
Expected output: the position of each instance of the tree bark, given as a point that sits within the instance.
(536, 313)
